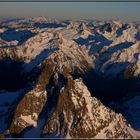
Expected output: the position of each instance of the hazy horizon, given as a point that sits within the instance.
(69, 10)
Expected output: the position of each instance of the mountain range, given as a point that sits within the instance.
(69, 78)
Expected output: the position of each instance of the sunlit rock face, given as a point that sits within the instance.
(78, 115)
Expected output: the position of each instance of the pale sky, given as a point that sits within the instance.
(69, 10)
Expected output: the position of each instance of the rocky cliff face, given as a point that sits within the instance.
(29, 108)
(78, 115)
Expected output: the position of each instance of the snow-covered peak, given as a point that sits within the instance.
(34, 46)
(70, 55)
(118, 22)
(39, 19)
(127, 56)
(83, 116)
